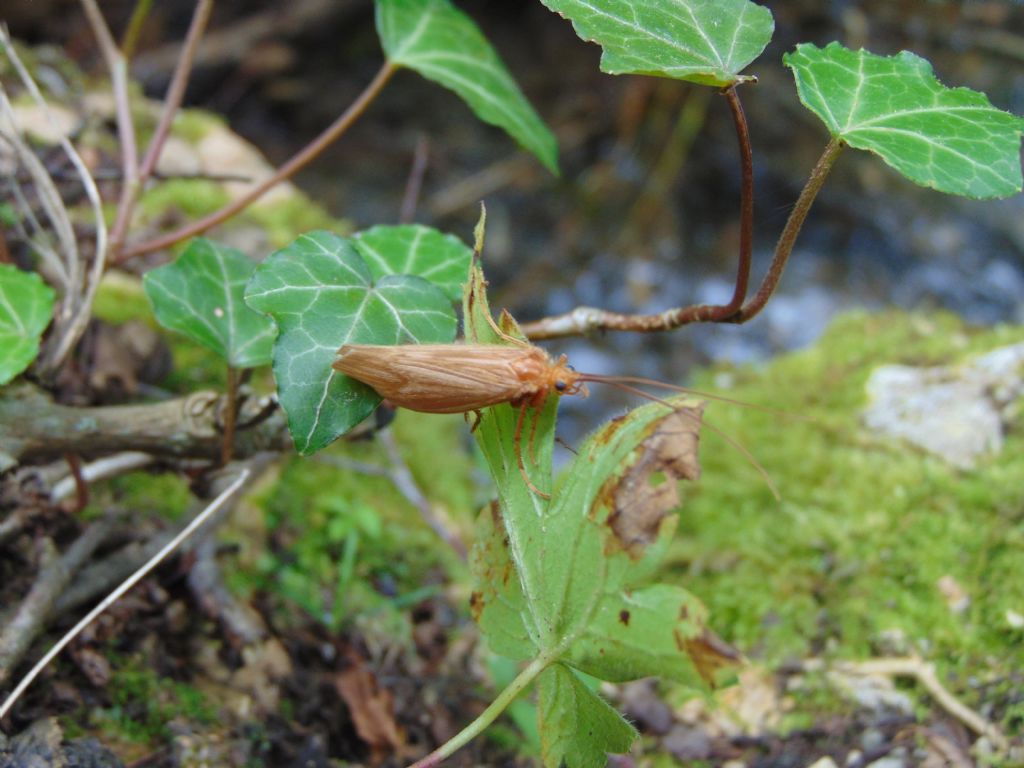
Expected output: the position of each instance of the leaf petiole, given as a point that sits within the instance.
(489, 715)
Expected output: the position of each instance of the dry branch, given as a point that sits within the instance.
(33, 427)
(37, 607)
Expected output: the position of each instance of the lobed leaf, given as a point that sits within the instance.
(413, 249)
(702, 41)
(26, 306)
(579, 727)
(201, 294)
(443, 44)
(566, 579)
(321, 294)
(950, 139)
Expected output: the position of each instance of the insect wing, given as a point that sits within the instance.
(440, 378)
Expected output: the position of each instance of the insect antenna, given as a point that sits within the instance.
(617, 382)
(613, 380)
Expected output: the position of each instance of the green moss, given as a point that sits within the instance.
(347, 544)
(165, 494)
(193, 197)
(867, 526)
(286, 219)
(120, 298)
(192, 125)
(142, 704)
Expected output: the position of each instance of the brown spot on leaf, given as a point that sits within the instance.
(646, 492)
(709, 654)
(624, 617)
(476, 605)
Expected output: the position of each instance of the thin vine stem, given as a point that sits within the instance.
(299, 161)
(227, 446)
(488, 716)
(584, 319)
(787, 239)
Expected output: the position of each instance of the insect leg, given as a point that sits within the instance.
(502, 334)
(533, 433)
(517, 439)
(477, 415)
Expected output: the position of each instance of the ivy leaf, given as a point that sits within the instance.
(26, 306)
(443, 44)
(708, 42)
(566, 580)
(581, 727)
(321, 294)
(201, 295)
(950, 139)
(413, 249)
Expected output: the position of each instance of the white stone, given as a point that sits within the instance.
(955, 412)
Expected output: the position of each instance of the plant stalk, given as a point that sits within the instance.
(299, 161)
(787, 239)
(488, 716)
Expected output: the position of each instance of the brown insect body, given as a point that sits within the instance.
(457, 378)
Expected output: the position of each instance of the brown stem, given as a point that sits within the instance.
(583, 319)
(230, 416)
(31, 616)
(81, 487)
(175, 94)
(286, 171)
(790, 232)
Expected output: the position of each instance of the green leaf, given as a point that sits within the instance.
(703, 41)
(950, 139)
(443, 44)
(566, 580)
(201, 295)
(26, 306)
(578, 727)
(416, 250)
(322, 295)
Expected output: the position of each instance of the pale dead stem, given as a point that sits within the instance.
(64, 262)
(924, 673)
(227, 494)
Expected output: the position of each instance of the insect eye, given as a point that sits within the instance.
(560, 385)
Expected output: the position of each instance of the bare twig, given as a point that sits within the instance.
(584, 319)
(101, 469)
(299, 161)
(204, 580)
(33, 427)
(134, 579)
(31, 616)
(924, 673)
(172, 100)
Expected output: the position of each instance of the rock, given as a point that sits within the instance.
(224, 153)
(955, 412)
(686, 743)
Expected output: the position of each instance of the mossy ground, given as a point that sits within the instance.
(852, 556)
(847, 561)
